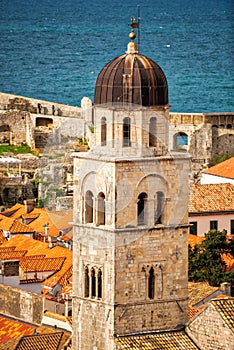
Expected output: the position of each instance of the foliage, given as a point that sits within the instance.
(205, 259)
(91, 128)
(20, 149)
(219, 158)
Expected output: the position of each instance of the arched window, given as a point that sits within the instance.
(103, 131)
(88, 207)
(180, 140)
(159, 205)
(151, 282)
(93, 283)
(99, 283)
(126, 132)
(141, 208)
(86, 292)
(101, 209)
(152, 132)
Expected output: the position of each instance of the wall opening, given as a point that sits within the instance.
(126, 132)
(141, 203)
(103, 131)
(152, 132)
(88, 207)
(101, 209)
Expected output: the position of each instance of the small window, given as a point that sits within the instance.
(101, 209)
(151, 283)
(141, 208)
(103, 131)
(213, 225)
(126, 132)
(232, 227)
(86, 282)
(193, 228)
(93, 281)
(99, 283)
(88, 207)
(152, 132)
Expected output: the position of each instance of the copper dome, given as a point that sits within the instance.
(132, 78)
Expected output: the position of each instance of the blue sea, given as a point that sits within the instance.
(54, 49)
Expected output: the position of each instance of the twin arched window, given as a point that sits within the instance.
(91, 210)
(152, 281)
(159, 202)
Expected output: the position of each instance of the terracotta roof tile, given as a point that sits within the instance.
(32, 247)
(41, 264)
(211, 198)
(160, 341)
(13, 225)
(224, 169)
(225, 308)
(10, 329)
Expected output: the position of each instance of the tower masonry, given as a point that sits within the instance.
(130, 211)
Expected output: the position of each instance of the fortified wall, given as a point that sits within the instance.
(203, 135)
(41, 123)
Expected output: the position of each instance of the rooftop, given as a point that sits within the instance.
(224, 169)
(160, 341)
(211, 198)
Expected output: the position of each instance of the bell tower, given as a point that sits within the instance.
(130, 211)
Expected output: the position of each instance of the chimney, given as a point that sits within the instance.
(226, 288)
(29, 205)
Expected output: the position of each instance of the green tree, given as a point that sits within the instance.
(205, 259)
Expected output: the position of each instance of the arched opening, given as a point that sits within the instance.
(88, 207)
(103, 131)
(152, 132)
(93, 283)
(159, 205)
(229, 126)
(151, 281)
(101, 209)
(141, 208)
(48, 122)
(86, 282)
(126, 132)
(180, 140)
(99, 283)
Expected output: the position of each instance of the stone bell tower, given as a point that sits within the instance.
(130, 211)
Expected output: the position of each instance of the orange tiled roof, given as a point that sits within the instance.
(10, 329)
(41, 264)
(224, 169)
(193, 240)
(160, 341)
(32, 247)
(225, 308)
(211, 198)
(13, 225)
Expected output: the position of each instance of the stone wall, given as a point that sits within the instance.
(21, 305)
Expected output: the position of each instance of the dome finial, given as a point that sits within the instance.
(132, 35)
(136, 25)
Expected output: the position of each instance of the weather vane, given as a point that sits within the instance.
(135, 25)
